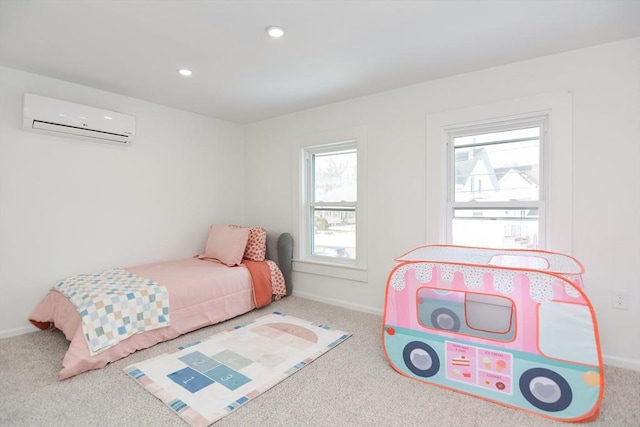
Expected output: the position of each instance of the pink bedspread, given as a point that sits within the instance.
(201, 293)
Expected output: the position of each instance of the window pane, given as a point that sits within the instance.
(334, 233)
(496, 228)
(498, 166)
(571, 325)
(504, 136)
(489, 313)
(335, 177)
(483, 316)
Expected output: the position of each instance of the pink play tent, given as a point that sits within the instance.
(511, 326)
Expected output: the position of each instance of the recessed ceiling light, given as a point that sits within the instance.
(275, 32)
(185, 72)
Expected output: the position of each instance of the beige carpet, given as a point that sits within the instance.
(352, 385)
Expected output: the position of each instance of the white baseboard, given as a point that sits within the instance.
(331, 301)
(619, 362)
(17, 331)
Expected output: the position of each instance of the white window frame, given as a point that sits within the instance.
(304, 261)
(498, 125)
(307, 219)
(559, 162)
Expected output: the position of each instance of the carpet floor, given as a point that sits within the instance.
(352, 385)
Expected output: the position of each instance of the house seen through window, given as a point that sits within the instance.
(496, 191)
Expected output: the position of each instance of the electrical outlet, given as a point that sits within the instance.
(619, 299)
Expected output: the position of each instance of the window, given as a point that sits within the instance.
(330, 212)
(558, 341)
(496, 189)
(466, 313)
(330, 205)
(551, 113)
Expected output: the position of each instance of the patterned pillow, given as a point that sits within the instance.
(277, 280)
(256, 244)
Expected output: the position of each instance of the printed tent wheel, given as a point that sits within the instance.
(443, 318)
(421, 359)
(546, 389)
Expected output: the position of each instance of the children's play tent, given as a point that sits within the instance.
(511, 326)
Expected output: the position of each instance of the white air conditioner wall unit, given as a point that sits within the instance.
(62, 118)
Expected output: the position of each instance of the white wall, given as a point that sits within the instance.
(70, 206)
(605, 226)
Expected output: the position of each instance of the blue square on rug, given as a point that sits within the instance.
(189, 379)
(199, 361)
(227, 377)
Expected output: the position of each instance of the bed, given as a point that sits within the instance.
(202, 291)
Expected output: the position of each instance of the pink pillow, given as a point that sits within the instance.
(226, 244)
(256, 249)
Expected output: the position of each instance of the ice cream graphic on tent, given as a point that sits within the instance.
(511, 326)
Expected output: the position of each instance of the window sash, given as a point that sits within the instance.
(320, 246)
(497, 126)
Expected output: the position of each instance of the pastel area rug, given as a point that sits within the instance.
(206, 380)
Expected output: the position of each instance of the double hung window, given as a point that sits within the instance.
(330, 202)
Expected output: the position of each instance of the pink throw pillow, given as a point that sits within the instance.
(256, 249)
(226, 244)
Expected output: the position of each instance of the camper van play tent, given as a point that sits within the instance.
(511, 326)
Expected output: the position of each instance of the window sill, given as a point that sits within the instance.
(348, 272)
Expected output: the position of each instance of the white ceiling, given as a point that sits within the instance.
(332, 51)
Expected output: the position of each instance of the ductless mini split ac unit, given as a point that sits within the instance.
(66, 119)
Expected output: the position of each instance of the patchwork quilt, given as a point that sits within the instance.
(115, 304)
